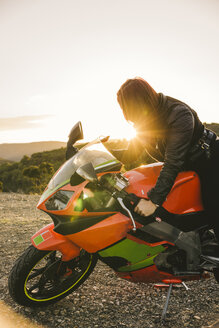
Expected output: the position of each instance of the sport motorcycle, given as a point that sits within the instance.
(91, 202)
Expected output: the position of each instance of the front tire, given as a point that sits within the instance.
(41, 278)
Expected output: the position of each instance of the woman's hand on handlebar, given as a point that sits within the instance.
(145, 207)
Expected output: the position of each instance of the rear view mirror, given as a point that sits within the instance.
(75, 134)
(87, 172)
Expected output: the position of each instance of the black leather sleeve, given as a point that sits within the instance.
(179, 136)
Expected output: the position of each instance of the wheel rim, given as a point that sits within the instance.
(50, 277)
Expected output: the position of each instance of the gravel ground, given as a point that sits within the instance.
(104, 300)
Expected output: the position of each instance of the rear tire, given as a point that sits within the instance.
(41, 278)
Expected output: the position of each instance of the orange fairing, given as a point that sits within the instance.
(102, 234)
(71, 204)
(70, 208)
(184, 197)
(146, 275)
(47, 239)
(152, 274)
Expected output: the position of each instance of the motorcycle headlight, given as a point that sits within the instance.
(59, 200)
(94, 200)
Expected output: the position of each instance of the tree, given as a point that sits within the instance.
(32, 171)
(25, 160)
(46, 167)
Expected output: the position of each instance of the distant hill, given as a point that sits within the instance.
(3, 161)
(15, 151)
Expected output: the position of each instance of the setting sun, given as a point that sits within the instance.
(129, 132)
(126, 131)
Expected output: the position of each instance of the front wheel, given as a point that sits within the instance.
(41, 278)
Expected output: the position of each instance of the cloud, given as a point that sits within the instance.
(22, 122)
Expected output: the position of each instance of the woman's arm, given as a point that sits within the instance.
(179, 136)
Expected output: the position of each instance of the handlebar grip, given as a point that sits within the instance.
(133, 199)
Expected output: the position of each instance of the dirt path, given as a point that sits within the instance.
(103, 300)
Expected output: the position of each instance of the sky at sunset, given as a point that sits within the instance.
(62, 61)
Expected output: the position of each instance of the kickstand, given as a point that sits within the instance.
(170, 283)
(163, 316)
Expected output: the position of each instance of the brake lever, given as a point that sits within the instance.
(120, 201)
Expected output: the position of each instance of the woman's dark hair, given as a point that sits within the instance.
(137, 98)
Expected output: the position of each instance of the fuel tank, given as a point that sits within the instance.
(184, 197)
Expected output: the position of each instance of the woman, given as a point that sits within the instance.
(172, 133)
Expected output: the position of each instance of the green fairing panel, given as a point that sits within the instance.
(138, 255)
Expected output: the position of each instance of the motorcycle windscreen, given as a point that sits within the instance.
(94, 153)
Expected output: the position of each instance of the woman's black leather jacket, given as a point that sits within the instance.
(182, 130)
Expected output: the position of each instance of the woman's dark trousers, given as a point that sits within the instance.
(208, 171)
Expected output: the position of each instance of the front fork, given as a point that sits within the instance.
(47, 239)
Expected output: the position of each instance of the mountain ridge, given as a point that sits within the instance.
(15, 151)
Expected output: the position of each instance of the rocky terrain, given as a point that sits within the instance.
(103, 300)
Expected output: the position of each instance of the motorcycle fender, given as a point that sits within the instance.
(48, 240)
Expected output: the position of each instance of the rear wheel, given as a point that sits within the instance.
(40, 277)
